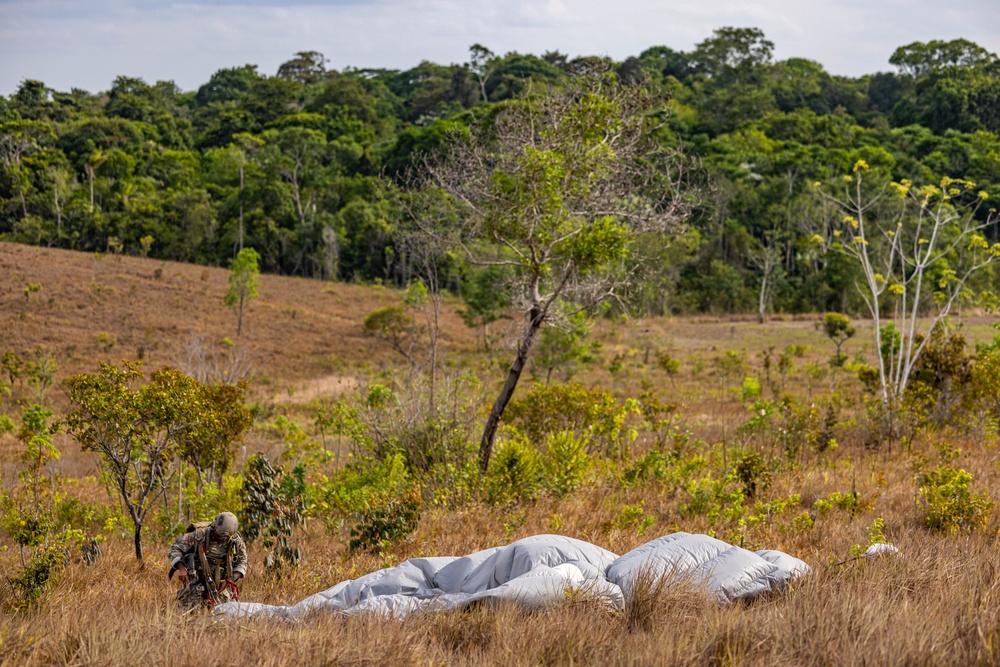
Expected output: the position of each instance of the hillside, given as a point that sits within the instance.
(300, 335)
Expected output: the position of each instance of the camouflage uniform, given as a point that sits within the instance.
(225, 558)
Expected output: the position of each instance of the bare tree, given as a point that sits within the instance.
(766, 258)
(554, 186)
(426, 255)
(226, 364)
(17, 141)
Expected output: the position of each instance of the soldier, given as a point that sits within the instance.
(209, 560)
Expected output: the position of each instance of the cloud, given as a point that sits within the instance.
(86, 44)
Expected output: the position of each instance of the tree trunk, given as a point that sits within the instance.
(241, 209)
(434, 327)
(239, 324)
(138, 540)
(55, 197)
(762, 303)
(493, 422)
(20, 191)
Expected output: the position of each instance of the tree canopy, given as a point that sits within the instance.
(299, 164)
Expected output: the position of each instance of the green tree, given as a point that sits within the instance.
(244, 275)
(482, 62)
(730, 51)
(217, 420)
(555, 187)
(36, 436)
(133, 429)
(295, 155)
(241, 152)
(838, 329)
(19, 140)
(920, 59)
(305, 67)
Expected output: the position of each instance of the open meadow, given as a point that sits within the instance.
(700, 424)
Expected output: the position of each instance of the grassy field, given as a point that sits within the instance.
(938, 603)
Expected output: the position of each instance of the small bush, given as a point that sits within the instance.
(384, 525)
(850, 502)
(597, 415)
(76, 513)
(34, 578)
(750, 389)
(564, 463)
(360, 483)
(875, 536)
(633, 516)
(433, 442)
(950, 503)
(672, 470)
(272, 506)
(515, 472)
(752, 471)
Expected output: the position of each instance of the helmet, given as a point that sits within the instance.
(225, 525)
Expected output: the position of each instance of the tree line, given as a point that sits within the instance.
(305, 166)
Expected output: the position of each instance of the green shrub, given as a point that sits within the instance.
(273, 505)
(875, 536)
(359, 484)
(564, 463)
(383, 525)
(672, 469)
(838, 329)
(88, 517)
(450, 485)
(633, 516)
(714, 498)
(515, 472)
(550, 409)
(731, 365)
(214, 499)
(752, 471)
(850, 502)
(31, 581)
(433, 442)
(750, 389)
(949, 502)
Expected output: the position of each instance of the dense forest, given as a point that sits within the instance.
(301, 165)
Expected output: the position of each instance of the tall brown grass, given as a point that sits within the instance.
(936, 604)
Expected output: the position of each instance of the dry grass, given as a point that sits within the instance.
(938, 604)
(300, 336)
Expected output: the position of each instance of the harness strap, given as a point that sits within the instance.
(203, 558)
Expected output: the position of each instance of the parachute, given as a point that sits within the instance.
(540, 570)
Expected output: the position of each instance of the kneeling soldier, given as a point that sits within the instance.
(209, 559)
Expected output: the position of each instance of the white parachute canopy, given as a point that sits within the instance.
(537, 571)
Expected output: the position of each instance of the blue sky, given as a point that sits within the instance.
(86, 43)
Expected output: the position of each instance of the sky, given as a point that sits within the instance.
(87, 43)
